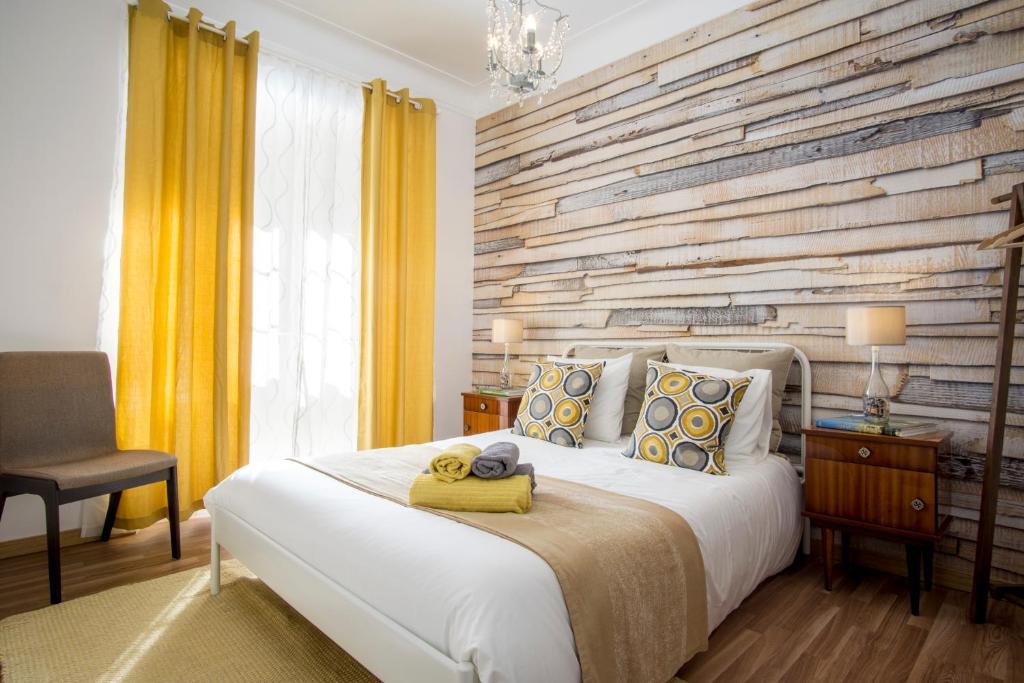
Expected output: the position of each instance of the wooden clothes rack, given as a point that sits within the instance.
(1012, 240)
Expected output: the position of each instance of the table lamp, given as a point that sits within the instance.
(876, 326)
(506, 331)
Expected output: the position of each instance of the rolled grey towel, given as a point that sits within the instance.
(497, 461)
(527, 469)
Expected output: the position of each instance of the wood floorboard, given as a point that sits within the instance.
(790, 629)
(94, 567)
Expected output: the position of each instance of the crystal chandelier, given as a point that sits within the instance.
(521, 65)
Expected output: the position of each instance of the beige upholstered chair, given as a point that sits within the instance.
(57, 440)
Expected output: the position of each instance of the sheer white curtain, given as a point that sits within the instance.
(306, 262)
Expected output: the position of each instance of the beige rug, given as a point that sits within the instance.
(172, 629)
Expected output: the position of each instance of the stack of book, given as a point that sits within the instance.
(894, 427)
(499, 391)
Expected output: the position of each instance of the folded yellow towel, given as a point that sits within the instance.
(511, 494)
(454, 462)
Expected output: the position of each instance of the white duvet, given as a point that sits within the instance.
(481, 598)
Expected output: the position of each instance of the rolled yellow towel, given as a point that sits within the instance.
(473, 494)
(454, 463)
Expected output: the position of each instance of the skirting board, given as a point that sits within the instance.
(36, 544)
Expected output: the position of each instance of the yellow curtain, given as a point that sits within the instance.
(396, 373)
(186, 264)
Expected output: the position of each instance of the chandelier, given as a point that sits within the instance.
(521, 65)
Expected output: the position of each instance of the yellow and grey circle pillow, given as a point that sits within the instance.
(685, 418)
(557, 400)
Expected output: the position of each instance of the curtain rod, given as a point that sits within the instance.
(217, 31)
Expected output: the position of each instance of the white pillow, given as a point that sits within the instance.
(751, 429)
(604, 419)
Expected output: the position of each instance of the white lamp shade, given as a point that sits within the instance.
(506, 331)
(876, 326)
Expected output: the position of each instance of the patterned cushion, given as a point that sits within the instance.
(556, 402)
(685, 418)
(637, 375)
(776, 361)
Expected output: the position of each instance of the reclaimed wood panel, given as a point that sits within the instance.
(753, 177)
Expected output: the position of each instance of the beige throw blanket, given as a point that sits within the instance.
(631, 571)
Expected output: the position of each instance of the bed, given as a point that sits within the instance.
(414, 596)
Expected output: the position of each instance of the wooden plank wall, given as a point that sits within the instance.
(749, 179)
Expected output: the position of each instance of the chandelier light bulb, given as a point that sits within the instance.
(530, 26)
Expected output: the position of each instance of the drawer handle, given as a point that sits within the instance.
(917, 504)
(864, 451)
(466, 428)
(483, 406)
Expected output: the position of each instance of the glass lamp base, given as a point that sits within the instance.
(876, 409)
(876, 395)
(505, 378)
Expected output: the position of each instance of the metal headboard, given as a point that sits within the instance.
(800, 356)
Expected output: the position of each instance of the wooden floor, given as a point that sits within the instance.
(93, 567)
(789, 630)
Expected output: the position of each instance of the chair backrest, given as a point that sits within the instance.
(54, 407)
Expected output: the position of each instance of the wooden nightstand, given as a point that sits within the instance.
(884, 486)
(484, 413)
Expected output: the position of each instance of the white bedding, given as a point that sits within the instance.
(480, 598)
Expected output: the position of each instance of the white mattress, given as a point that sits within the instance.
(481, 598)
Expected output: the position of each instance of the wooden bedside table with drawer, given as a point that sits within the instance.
(883, 486)
(485, 413)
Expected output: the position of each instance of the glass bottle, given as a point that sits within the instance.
(505, 378)
(876, 394)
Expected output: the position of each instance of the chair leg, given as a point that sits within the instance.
(108, 522)
(172, 512)
(52, 504)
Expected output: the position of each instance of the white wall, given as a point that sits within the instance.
(59, 79)
(58, 76)
(453, 297)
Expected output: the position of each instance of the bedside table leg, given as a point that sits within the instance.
(827, 551)
(914, 577)
(929, 561)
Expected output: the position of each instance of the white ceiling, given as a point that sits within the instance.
(449, 36)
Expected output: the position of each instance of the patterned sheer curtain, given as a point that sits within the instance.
(306, 262)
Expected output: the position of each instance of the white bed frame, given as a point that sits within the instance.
(385, 647)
